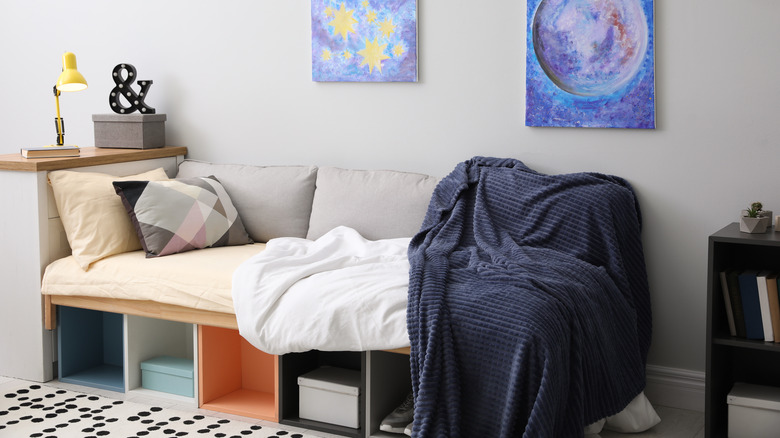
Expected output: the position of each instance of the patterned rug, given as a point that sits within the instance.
(35, 410)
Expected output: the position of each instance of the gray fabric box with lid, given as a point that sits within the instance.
(129, 131)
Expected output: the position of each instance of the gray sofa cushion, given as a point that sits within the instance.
(272, 201)
(380, 204)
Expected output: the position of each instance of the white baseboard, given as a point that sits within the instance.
(675, 388)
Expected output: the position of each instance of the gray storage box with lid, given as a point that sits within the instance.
(754, 411)
(331, 395)
(129, 131)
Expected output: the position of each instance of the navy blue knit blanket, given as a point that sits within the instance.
(529, 310)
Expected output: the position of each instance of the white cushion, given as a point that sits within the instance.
(95, 221)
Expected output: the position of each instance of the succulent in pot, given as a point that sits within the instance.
(755, 219)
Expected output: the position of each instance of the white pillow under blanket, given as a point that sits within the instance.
(595, 428)
(637, 417)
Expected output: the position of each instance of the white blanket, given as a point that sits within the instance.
(338, 293)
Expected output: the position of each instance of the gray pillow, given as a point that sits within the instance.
(272, 201)
(379, 204)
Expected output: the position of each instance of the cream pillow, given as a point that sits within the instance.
(95, 221)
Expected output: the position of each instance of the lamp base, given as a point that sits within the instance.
(59, 124)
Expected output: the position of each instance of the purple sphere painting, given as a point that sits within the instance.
(590, 48)
(590, 63)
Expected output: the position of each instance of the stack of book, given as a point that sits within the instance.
(752, 303)
(50, 151)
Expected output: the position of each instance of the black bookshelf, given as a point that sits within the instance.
(731, 359)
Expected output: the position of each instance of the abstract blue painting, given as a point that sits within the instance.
(364, 40)
(590, 64)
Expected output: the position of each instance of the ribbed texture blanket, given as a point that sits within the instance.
(529, 311)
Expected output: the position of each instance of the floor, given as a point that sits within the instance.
(675, 423)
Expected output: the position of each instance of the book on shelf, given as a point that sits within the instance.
(727, 303)
(732, 282)
(774, 304)
(748, 289)
(763, 300)
(50, 151)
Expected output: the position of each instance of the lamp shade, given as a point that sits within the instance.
(70, 79)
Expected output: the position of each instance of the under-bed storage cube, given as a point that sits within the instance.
(146, 341)
(388, 382)
(294, 365)
(173, 375)
(754, 411)
(331, 395)
(236, 378)
(91, 349)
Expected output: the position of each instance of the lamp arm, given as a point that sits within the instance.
(58, 121)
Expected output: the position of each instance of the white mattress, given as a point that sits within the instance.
(199, 279)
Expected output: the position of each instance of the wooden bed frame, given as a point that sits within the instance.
(149, 309)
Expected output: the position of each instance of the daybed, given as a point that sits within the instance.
(272, 201)
(303, 202)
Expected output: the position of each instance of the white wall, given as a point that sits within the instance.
(234, 78)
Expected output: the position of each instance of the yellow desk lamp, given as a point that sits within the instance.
(70, 80)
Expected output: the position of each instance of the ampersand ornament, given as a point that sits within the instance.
(122, 89)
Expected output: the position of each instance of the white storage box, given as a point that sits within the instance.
(754, 411)
(330, 395)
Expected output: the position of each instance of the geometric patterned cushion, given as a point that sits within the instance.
(181, 214)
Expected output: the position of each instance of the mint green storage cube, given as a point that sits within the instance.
(168, 374)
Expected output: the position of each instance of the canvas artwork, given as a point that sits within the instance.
(364, 40)
(590, 64)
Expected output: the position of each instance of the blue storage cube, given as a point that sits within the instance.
(90, 349)
(168, 374)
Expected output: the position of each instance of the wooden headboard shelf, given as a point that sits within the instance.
(90, 156)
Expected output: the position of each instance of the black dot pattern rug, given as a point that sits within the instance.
(41, 411)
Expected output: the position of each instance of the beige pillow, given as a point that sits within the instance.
(95, 221)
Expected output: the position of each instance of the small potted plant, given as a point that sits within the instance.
(755, 219)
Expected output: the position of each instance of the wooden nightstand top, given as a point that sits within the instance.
(90, 156)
